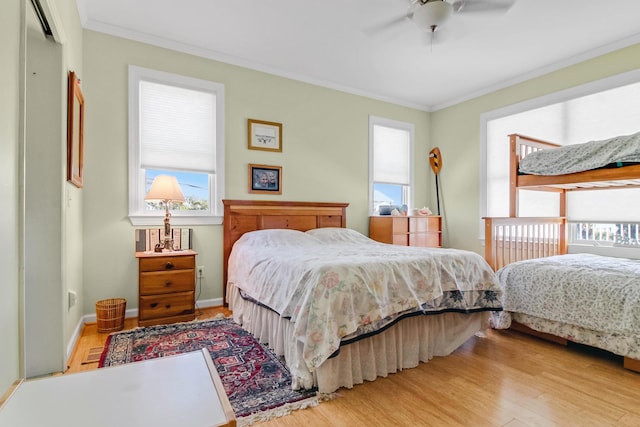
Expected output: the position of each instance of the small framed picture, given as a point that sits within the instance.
(75, 132)
(265, 136)
(264, 179)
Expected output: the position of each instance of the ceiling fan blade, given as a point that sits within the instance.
(385, 26)
(479, 6)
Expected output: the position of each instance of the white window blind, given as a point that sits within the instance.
(391, 156)
(602, 115)
(177, 128)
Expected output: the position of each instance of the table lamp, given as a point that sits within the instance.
(166, 189)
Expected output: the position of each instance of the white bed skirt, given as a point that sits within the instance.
(403, 345)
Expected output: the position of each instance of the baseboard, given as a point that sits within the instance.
(205, 303)
(133, 312)
(91, 318)
(74, 338)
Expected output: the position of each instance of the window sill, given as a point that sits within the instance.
(157, 220)
(614, 251)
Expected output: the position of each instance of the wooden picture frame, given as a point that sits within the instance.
(265, 179)
(75, 132)
(266, 136)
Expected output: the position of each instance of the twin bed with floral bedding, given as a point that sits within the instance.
(342, 308)
(588, 299)
(583, 298)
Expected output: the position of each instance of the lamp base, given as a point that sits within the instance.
(167, 244)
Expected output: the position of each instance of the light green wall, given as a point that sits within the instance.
(456, 130)
(10, 30)
(52, 216)
(44, 151)
(72, 227)
(324, 158)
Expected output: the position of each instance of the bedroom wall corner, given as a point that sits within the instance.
(66, 13)
(457, 130)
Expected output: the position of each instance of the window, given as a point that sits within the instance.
(390, 168)
(176, 127)
(609, 234)
(600, 110)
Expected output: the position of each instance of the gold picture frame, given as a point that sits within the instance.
(265, 179)
(266, 136)
(75, 132)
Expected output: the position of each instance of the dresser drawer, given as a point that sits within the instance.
(426, 223)
(162, 282)
(425, 231)
(157, 306)
(167, 263)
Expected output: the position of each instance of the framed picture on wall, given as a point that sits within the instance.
(264, 179)
(266, 136)
(75, 132)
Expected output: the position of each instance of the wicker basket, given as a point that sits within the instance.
(110, 314)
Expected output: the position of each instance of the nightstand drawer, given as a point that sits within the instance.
(157, 306)
(166, 287)
(167, 263)
(162, 282)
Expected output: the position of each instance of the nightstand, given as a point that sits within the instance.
(166, 287)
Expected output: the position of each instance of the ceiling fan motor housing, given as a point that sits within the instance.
(432, 14)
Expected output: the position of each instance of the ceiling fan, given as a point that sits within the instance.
(431, 15)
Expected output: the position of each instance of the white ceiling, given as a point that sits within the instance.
(345, 44)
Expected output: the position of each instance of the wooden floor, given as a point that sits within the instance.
(504, 378)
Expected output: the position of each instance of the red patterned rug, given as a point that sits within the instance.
(257, 382)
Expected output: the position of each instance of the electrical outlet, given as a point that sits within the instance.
(201, 271)
(73, 298)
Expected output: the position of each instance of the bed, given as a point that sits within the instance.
(617, 165)
(340, 307)
(527, 253)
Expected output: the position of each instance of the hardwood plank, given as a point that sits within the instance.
(502, 378)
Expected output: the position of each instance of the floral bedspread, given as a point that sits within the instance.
(589, 291)
(581, 157)
(335, 283)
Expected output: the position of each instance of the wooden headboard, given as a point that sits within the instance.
(242, 216)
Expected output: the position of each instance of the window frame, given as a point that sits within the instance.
(138, 215)
(395, 124)
(631, 77)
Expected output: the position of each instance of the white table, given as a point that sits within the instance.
(183, 390)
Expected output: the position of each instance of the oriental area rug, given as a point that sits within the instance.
(256, 381)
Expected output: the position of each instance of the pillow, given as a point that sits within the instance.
(338, 235)
(277, 237)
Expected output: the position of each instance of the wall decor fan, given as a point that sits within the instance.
(432, 15)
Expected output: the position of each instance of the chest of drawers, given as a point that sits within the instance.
(425, 231)
(166, 287)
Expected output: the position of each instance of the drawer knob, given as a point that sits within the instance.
(167, 283)
(168, 306)
(168, 265)
(153, 304)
